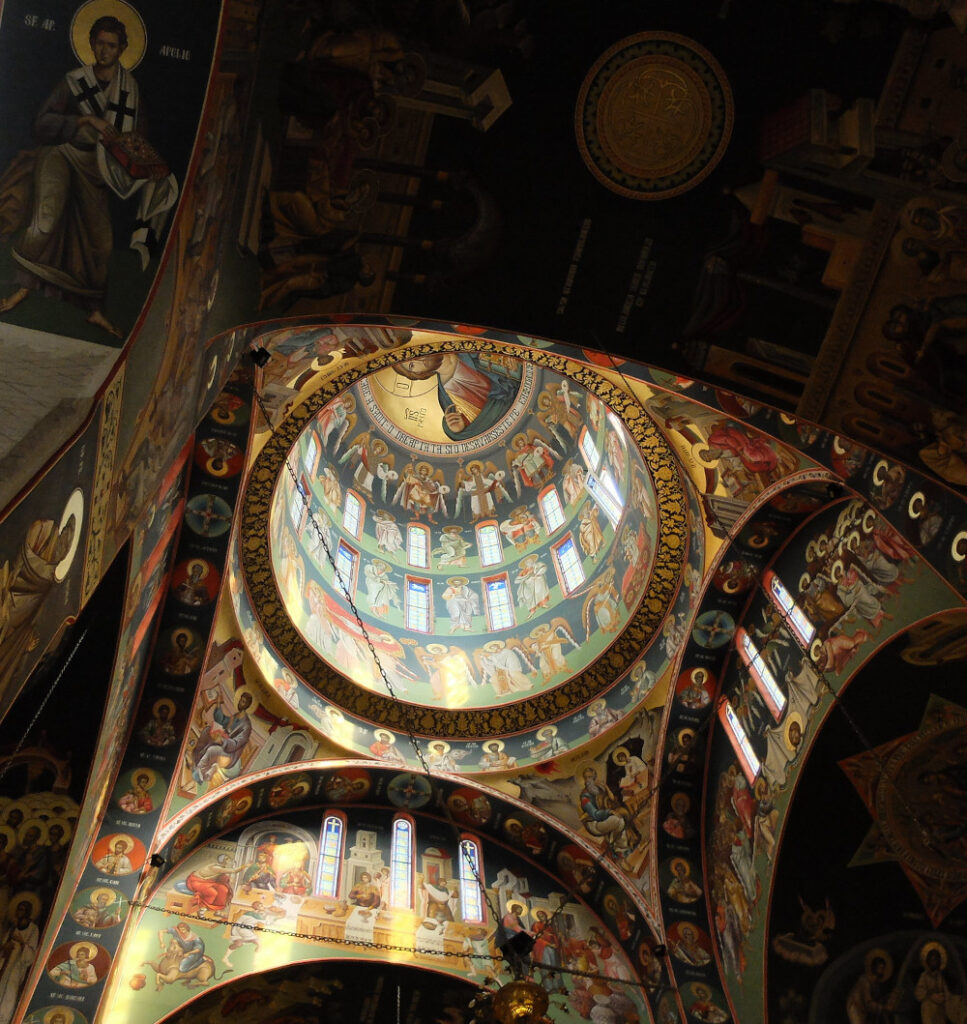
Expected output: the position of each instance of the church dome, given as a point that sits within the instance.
(506, 524)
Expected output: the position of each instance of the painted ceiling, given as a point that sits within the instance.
(682, 667)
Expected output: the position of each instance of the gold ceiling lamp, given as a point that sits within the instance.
(520, 1002)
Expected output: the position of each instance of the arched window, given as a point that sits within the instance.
(791, 611)
(332, 842)
(765, 681)
(298, 503)
(570, 571)
(551, 509)
(418, 546)
(488, 544)
(347, 567)
(471, 872)
(739, 739)
(589, 450)
(401, 864)
(418, 606)
(500, 605)
(354, 511)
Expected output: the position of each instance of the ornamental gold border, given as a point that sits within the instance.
(701, 173)
(475, 723)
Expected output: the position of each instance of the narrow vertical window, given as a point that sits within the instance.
(765, 681)
(418, 612)
(298, 503)
(471, 872)
(352, 517)
(418, 547)
(401, 864)
(791, 611)
(347, 566)
(604, 499)
(570, 569)
(330, 856)
(551, 509)
(740, 741)
(500, 606)
(488, 544)
(589, 450)
(311, 452)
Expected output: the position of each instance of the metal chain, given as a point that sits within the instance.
(389, 947)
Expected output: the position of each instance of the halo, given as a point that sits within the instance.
(487, 744)
(199, 561)
(701, 991)
(682, 733)
(457, 581)
(452, 529)
(378, 563)
(37, 823)
(75, 508)
(156, 707)
(113, 893)
(794, 718)
(112, 842)
(436, 649)
(385, 735)
(815, 649)
(382, 513)
(152, 776)
(522, 911)
(24, 897)
(242, 804)
(440, 743)
(11, 836)
(78, 946)
(699, 676)
(620, 750)
(879, 953)
(244, 689)
(65, 1011)
(497, 645)
(547, 732)
(87, 14)
(64, 824)
(680, 860)
(680, 800)
(939, 947)
(597, 706)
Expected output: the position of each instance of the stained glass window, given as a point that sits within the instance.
(569, 563)
(551, 509)
(471, 871)
(418, 605)
(418, 546)
(793, 614)
(347, 561)
(352, 518)
(330, 855)
(488, 544)
(500, 607)
(401, 864)
(765, 681)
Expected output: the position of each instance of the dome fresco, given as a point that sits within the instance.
(500, 517)
(492, 521)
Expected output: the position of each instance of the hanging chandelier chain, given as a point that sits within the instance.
(404, 708)
(383, 946)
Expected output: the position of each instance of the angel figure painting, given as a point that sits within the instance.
(421, 491)
(481, 485)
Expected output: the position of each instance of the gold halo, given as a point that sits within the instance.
(597, 706)
(487, 744)
(452, 529)
(701, 991)
(458, 581)
(75, 949)
(547, 732)
(87, 14)
(198, 561)
(244, 689)
(491, 646)
(75, 508)
(37, 823)
(939, 947)
(680, 860)
(157, 706)
(64, 824)
(152, 776)
(439, 743)
(794, 719)
(65, 1011)
(436, 649)
(112, 842)
(113, 893)
(385, 735)
(522, 912)
(879, 953)
(623, 751)
(24, 897)
(680, 800)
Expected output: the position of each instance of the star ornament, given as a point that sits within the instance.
(915, 788)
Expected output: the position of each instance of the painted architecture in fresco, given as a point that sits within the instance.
(323, 673)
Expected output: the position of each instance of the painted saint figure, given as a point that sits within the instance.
(90, 123)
